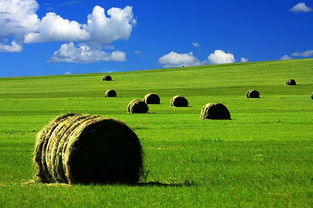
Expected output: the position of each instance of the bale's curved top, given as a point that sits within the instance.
(76, 148)
(291, 82)
(107, 78)
(137, 106)
(253, 94)
(152, 98)
(215, 111)
(179, 101)
(110, 93)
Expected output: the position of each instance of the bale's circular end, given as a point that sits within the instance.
(215, 111)
(253, 94)
(137, 106)
(110, 93)
(291, 82)
(107, 78)
(179, 101)
(152, 98)
(85, 149)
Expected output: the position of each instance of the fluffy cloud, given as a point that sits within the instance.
(301, 7)
(307, 53)
(85, 54)
(243, 60)
(285, 57)
(20, 24)
(220, 57)
(174, 59)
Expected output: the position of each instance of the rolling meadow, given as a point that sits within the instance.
(262, 157)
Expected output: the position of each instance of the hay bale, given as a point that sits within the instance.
(152, 98)
(179, 101)
(291, 82)
(214, 111)
(312, 95)
(110, 93)
(137, 106)
(107, 78)
(253, 94)
(75, 148)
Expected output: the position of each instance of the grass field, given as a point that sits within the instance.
(263, 157)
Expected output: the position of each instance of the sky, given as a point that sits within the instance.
(41, 37)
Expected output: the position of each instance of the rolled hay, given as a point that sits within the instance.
(107, 78)
(214, 111)
(152, 98)
(291, 82)
(179, 101)
(76, 148)
(110, 93)
(253, 94)
(137, 106)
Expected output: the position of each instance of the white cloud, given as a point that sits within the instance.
(244, 60)
(139, 53)
(196, 44)
(220, 57)
(307, 53)
(286, 57)
(85, 54)
(174, 59)
(13, 47)
(301, 7)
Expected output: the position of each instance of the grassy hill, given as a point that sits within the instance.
(263, 157)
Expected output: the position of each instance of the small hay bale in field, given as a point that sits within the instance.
(179, 101)
(137, 106)
(152, 98)
(253, 94)
(312, 95)
(214, 111)
(110, 93)
(291, 82)
(107, 78)
(75, 148)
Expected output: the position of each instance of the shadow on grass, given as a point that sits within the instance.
(162, 184)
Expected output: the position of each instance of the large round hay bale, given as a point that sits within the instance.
(253, 94)
(291, 82)
(137, 106)
(107, 78)
(179, 101)
(152, 98)
(214, 111)
(110, 93)
(75, 148)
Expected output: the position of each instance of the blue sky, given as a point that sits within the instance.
(54, 37)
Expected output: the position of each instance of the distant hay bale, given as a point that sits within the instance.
(107, 78)
(76, 148)
(179, 101)
(214, 111)
(110, 93)
(312, 95)
(137, 106)
(253, 94)
(152, 98)
(291, 82)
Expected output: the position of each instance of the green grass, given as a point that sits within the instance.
(263, 157)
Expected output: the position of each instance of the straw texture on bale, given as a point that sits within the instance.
(179, 101)
(214, 111)
(75, 148)
(152, 98)
(107, 78)
(291, 82)
(110, 93)
(253, 94)
(137, 106)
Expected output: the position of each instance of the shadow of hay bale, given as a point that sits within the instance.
(137, 106)
(179, 101)
(152, 98)
(110, 93)
(76, 148)
(253, 94)
(215, 111)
